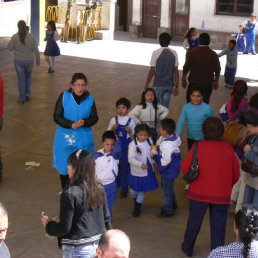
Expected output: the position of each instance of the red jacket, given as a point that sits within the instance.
(218, 172)
(1, 96)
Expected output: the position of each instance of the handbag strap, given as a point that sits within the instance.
(195, 160)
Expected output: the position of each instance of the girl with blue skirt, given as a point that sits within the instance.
(75, 114)
(141, 178)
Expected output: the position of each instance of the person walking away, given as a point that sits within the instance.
(24, 46)
(164, 68)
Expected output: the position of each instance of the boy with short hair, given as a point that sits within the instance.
(123, 126)
(106, 166)
(164, 68)
(231, 64)
(168, 160)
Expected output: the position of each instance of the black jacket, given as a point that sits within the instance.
(59, 111)
(77, 220)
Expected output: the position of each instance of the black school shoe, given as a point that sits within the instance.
(186, 252)
(123, 195)
(164, 214)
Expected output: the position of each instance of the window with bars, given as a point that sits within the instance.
(234, 7)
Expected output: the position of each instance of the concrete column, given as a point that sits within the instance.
(38, 19)
(137, 11)
(108, 15)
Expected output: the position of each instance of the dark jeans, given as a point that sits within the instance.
(218, 222)
(64, 180)
(169, 200)
(206, 89)
(230, 74)
(190, 143)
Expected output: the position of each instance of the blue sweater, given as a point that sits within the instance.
(195, 116)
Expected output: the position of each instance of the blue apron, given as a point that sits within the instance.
(124, 166)
(193, 43)
(68, 140)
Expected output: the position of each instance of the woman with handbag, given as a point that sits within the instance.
(250, 162)
(218, 172)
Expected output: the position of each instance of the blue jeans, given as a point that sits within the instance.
(169, 200)
(80, 251)
(250, 196)
(24, 70)
(163, 95)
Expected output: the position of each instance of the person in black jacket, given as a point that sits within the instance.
(84, 214)
(75, 114)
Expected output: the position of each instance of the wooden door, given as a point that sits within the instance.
(151, 18)
(179, 18)
(123, 6)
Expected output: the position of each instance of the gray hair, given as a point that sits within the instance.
(3, 210)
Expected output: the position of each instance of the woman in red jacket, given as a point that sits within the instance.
(218, 172)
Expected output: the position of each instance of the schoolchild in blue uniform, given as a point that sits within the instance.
(106, 166)
(75, 113)
(240, 39)
(168, 161)
(52, 50)
(191, 39)
(231, 64)
(141, 178)
(250, 31)
(123, 126)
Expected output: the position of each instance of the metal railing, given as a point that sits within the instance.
(76, 25)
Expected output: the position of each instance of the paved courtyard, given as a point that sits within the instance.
(119, 68)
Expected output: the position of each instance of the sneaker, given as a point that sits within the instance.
(253, 53)
(245, 53)
(50, 70)
(27, 98)
(20, 101)
(230, 86)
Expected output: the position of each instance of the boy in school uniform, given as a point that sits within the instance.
(250, 31)
(231, 64)
(240, 39)
(106, 166)
(168, 159)
(123, 126)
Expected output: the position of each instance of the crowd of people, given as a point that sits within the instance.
(140, 142)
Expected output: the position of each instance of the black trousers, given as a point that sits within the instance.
(190, 143)
(206, 89)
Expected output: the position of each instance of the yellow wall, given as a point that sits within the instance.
(42, 26)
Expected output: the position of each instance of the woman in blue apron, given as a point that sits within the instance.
(75, 114)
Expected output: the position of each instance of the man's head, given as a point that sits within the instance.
(164, 39)
(204, 39)
(113, 243)
(3, 222)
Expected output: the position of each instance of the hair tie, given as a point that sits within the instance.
(78, 153)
